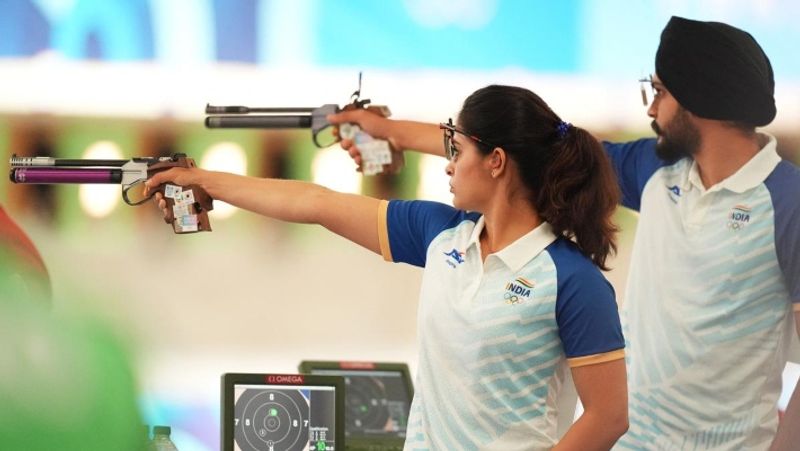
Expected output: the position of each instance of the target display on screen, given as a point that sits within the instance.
(377, 400)
(282, 413)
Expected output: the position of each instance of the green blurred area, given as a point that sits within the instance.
(66, 382)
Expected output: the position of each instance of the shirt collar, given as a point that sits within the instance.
(521, 251)
(752, 174)
(475, 237)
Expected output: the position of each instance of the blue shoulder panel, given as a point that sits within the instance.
(412, 225)
(784, 188)
(586, 307)
(634, 162)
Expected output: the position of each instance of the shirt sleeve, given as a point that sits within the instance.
(586, 312)
(634, 163)
(406, 228)
(784, 187)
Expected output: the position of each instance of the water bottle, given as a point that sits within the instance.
(161, 440)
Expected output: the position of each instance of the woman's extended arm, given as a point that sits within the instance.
(352, 216)
(603, 391)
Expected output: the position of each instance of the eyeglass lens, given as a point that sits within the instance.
(644, 84)
(449, 147)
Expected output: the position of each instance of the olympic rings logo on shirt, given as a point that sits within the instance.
(518, 290)
(511, 298)
(735, 225)
(738, 218)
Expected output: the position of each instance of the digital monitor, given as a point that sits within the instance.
(377, 401)
(282, 412)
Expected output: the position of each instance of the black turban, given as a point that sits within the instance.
(716, 71)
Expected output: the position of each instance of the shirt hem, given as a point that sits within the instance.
(596, 358)
(383, 230)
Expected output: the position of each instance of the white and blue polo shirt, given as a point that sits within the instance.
(496, 336)
(713, 280)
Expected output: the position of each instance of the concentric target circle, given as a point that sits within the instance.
(366, 404)
(272, 420)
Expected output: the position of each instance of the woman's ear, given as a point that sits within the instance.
(497, 161)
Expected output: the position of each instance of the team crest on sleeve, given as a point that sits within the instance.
(738, 218)
(518, 291)
(454, 257)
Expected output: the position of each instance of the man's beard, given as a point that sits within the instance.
(679, 138)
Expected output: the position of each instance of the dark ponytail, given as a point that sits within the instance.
(579, 194)
(566, 170)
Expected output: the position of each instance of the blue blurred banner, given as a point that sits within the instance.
(592, 37)
(478, 34)
(108, 30)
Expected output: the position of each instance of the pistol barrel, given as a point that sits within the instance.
(45, 175)
(274, 121)
(238, 109)
(21, 162)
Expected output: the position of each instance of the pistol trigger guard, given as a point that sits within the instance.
(315, 134)
(319, 121)
(125, 195)
(126, 188)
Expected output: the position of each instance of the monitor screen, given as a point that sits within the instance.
(269, 412)
(377, 397)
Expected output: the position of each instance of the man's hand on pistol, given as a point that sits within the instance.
(174, 176)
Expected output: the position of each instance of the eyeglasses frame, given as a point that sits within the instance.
(450, 130)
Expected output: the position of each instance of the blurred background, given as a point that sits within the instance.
(125, 78)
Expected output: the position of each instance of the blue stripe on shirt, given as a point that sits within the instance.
(586, 307)
(784, 188)
(414, 224)
(634, 163)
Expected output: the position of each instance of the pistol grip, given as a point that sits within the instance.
(377, 155)
(187, 208)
